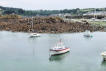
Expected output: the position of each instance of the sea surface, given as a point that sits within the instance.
(20, 52)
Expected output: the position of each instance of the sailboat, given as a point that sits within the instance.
(33, 34)
(59, 49)
(87, 33)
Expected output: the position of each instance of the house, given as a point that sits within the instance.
(102, 13)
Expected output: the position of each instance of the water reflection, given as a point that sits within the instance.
(32, 37)
(88, 38)
(58, 57)
(103, 63)
(33, 40)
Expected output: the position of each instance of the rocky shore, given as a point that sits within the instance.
(45, 25)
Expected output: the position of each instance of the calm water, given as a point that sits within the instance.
(18, 52)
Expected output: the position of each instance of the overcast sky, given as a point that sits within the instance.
(53, 4)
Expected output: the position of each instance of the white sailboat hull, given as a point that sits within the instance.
(59, 52)
(87, 33)
(35, 35)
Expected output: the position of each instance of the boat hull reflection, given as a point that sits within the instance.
(58, 57)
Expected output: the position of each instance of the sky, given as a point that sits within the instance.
(53, 4)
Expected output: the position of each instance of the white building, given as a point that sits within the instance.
(62, 15)
(96, 13)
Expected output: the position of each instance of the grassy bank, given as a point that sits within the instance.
(93, 22)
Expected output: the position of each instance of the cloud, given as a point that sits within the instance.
(3, 3)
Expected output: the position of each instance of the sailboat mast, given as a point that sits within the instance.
(32, 25)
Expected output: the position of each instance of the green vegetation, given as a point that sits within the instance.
(0, 11)
(12, 16)
(77, 11)
(99, 22)
(102, 23)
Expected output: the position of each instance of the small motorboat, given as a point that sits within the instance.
(87, 33)
(35, 35)
(59, 49)
(104, 55)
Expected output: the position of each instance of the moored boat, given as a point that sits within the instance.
(59, 49)
(35, 35)
(87, 33)
(104, 55)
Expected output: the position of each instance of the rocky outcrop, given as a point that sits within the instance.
(45, 25)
